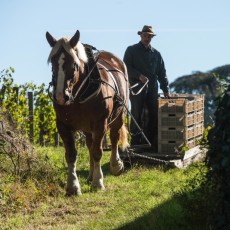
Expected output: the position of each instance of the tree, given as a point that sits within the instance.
(209, 84)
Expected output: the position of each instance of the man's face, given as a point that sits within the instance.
(146, 38)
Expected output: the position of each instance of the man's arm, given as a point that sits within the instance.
(162, 77)
(128, 59)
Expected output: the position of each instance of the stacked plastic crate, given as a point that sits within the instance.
(180, 122)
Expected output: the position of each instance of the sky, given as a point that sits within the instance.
(191, 35)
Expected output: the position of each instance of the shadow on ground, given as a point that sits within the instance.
(175, 214)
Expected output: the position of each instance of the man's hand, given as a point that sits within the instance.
(166, 95)
(143, 78)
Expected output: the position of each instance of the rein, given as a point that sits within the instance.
(137, 84)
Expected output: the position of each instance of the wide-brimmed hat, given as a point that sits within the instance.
(147, 29)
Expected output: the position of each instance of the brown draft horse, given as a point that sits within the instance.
(88, 97)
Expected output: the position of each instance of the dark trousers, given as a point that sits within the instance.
(146, 99)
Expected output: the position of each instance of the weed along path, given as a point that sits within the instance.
(143, 197)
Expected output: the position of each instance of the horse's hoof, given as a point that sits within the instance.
(73, 192)
(118, 169)
(97, 186)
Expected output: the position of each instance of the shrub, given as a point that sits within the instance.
(218, 159)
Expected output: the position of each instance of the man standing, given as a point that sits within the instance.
(144, 63)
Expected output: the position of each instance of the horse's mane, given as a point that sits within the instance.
(78, 53)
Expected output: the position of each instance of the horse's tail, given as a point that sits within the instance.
(123, 139)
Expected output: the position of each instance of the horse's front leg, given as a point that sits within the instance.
(96, 154)
(73, 186)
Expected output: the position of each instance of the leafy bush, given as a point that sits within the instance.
(40, 178)
(219, 163)
(195, 194)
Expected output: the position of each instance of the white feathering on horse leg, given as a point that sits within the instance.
(73, 185)
(116, 164)
(98, 176)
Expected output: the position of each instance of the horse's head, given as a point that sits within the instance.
(68, 58)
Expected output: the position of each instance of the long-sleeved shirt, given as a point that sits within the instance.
(147, 61)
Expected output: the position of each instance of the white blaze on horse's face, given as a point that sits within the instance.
(60, 81)
(64, 67)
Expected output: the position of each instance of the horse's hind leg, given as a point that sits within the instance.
(116, 164)
(73, 186)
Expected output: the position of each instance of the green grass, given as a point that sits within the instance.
(143, 197)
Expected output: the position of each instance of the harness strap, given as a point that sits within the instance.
(84, 81)
(112, 77)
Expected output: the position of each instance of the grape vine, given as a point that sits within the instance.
(14, 99)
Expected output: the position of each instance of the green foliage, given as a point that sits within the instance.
(195, 194)
(219, 163)
(204, 141)
(44, 116)
(14, 99)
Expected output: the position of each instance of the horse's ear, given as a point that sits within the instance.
(74, 40)
(52, 41)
